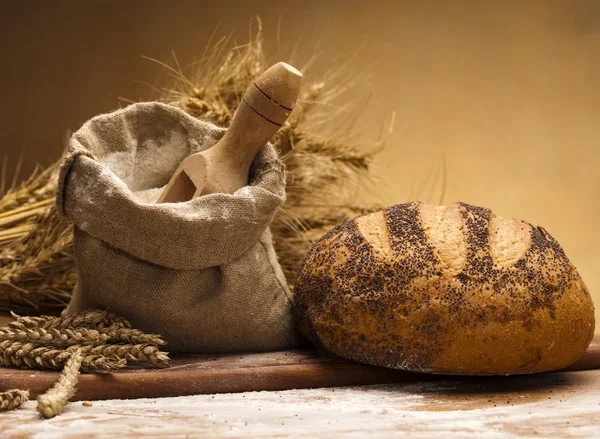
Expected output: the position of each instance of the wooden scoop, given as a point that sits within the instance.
(224, 168)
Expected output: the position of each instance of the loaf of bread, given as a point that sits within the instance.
(437, 289)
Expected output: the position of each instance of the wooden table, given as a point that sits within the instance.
(561, 404)
(565, 404)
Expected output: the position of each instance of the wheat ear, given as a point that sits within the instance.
(12, 399)
(53, 402)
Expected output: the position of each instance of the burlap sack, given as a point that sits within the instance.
(202, 273)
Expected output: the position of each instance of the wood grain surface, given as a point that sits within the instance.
(208, 374)
(550, 405)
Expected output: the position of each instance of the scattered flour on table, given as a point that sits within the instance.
(351, 412)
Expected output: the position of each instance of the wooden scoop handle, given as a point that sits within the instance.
(224, 168)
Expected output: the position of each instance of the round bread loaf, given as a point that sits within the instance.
(438, 289)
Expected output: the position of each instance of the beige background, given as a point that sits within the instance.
(505, 93)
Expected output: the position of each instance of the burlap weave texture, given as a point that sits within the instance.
(203, 273)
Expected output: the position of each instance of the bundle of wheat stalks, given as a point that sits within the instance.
(107, 342)
(91, 341)
(324, 168)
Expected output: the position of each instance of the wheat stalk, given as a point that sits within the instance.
(37, 272)
(106, 342)
(53, 402)
(94, 318)
(12, 399)
(90, 341)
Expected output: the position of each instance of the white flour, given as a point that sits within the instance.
(352, 412)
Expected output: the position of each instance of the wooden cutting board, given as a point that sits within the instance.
(203, 374)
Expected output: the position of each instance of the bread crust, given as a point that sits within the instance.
(444, 290)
